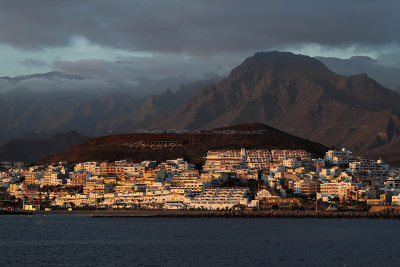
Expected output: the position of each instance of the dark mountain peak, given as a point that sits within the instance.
(362, 80)
(167, 92)
(150, 100)
(284, 65)
(48, 76)
(362, 59)
(360, 77)
(156, 99)
(59, 74)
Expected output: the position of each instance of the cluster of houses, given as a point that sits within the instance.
(229, 179)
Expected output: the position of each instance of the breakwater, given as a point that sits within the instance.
(6, 212)
(386, 214)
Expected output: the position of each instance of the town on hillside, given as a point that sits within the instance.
(229, 180)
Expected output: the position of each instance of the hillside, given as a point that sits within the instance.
(31, 150)
(39, 104)
(299, 95)
(193, 146)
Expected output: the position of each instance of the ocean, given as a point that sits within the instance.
(78, 240)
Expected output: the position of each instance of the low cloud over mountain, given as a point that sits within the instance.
(58, 102)
(149, 42)
(54, 82)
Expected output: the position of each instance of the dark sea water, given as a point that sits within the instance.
(76, 240)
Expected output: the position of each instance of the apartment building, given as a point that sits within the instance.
(107, 168)
(340, 157)
(369, 168)
(51, 178)
(279, 155)
(188, 180)
(220, 198)
(258, 159)
(79, 178)
(224, 160)
(306, 187)
(342, 190)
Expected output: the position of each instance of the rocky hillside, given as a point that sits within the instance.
(92, 111)
(31, 150)
(301, 96)
(194, 146)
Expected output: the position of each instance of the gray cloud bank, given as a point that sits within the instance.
(54, 81)
(135, 76)
(188, 40)
(199, 27)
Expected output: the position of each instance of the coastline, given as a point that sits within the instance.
(22, 212)
(385, 214)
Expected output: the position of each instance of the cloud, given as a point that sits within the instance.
(35, 63)
(55, 82)
(390, 59)
(136, 75)
(153, 45)
(199, 27)
(151, 73)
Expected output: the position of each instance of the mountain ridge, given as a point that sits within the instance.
(91, 112)
(305, 99)
(387, 75)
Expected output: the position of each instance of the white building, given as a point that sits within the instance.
(396, 200)
(292, 163)
(337, 189)
(342, 156)
(220, 198)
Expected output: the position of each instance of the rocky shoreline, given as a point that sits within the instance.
(382, 214)
(6, 212)
(256, 214)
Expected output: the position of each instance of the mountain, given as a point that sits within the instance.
(297, 94)
(167, 101)
(388, 76)
(31, 150)
(53, 75)
(193, 146)
(60, 111)
(38, 104)
(294, 93)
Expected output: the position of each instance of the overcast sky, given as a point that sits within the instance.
(128, 40)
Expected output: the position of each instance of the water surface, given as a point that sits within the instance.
(83, 241)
